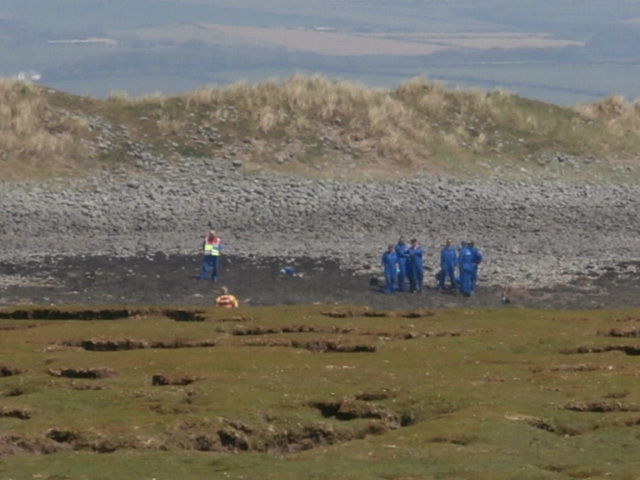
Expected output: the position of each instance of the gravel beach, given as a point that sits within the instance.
(548, 236)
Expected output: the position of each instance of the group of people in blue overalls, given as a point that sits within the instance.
(402, 262)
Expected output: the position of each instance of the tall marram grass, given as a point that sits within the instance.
(420, 124)
(33, 135)
(621, 116)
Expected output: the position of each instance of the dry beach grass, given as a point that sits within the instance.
(314, 126)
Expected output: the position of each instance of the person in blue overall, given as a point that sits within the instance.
(403, 256)
(390, 265)
(414, 266)
(448, 262)
(466, 263)
(477, 260)
(212, 247)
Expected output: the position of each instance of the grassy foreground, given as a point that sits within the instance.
(319, 393)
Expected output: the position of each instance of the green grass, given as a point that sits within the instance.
(465, 394)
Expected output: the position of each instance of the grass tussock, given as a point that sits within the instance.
(620, 116)
(33, 135)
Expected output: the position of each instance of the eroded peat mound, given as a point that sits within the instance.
(344, 391)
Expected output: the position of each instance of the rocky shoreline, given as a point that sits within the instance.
(533, 235)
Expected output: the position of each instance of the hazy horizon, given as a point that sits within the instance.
(564, 53)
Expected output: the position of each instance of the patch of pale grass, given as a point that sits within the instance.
(119, 96)
(479, 143)
(450, 140)
(414, 87)
(32, 133)
(479, 100)
(612, 106)
(302, 123)
(433, 102)
(205, 96)
(387, 112)
(532, 122)
(171, 126)
(619, 115)
(269, 117)
(502, 93)
(586, 110)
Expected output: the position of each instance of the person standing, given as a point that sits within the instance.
(415, 265)
(477, 260)
(466, 265)
(225, 300)
(212, 246)
(448, 262)
(390, 265)
(403, 256)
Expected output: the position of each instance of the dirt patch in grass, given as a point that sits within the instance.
(170, 409)
(546, 425)
(551, 427)
(15, 445)
(10, 328)
(103, 345)
(57, 314)
(602, 407)
(378, 314)
(62, 436)
(350, 409)
(628, 422)
(82, 387)
(417, 314)
(572, 471)
(454, 439)
(628, 319)
(375, 396)
(316, 346)
(311, 436)
(257, 330)
(15, 412)
(185, 315)
(350, 313)
(238, 319)
(6, 371)
(64, 439)
(580, 367)
(179, 315)
(91, 373)
(13, 392)
(621, 332)
(234, 439)
(627, 349)
(162, 380)
(236, 436)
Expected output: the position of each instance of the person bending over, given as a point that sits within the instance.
(226, 300)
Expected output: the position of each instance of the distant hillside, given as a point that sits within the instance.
(321, 127)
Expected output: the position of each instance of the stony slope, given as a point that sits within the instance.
(532, 234)
(541, 218)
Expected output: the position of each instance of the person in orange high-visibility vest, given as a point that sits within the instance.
(225, 300)
(212, 247)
